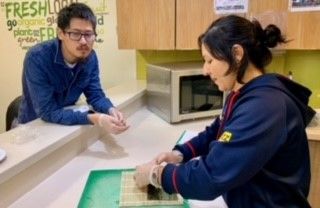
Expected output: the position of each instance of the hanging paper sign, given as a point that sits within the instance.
(302, 6)
(230, 6)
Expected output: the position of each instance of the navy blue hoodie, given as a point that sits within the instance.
(255, 155)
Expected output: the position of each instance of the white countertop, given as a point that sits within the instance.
(147, 136)
(313, 131)
(30, 144)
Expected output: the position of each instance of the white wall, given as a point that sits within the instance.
(116, 66)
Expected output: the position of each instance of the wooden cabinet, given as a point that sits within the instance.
(176, 24)
(314, 146)
(269, 12)
(162, 24)
(146, 24)
(261, 6)
(192, 19)
(302, 28)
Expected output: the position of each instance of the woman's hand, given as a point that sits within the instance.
(142, 174)
(169, 157)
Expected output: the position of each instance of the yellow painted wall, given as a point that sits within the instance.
(145, 57)
(303, 64)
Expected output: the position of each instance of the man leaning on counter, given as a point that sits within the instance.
(58, 71)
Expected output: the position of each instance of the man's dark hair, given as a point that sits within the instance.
(76, 10)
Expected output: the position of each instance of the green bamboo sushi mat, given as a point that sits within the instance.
(102, 190)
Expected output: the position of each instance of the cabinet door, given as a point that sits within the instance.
(261, 6)
(192, 19)
(304, 29)
(270, 12)
(146, 24)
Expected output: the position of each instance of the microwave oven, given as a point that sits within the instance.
(179, 91)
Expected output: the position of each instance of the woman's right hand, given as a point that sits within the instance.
(174, 157)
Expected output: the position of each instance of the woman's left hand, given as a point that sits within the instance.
(142, 173)
(174, 157)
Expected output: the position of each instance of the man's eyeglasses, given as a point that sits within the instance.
(76, 36)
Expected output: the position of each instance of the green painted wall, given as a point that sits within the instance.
(145, 57)
(303, 64)
(305, 67)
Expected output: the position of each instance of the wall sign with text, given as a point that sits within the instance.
(31, 22)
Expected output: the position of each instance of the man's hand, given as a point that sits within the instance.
(117, 114)
(111, 124)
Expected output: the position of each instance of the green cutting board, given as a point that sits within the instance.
(102, 190)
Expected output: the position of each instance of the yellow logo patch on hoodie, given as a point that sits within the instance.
(225, 137)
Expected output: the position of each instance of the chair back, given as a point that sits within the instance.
(12, 112)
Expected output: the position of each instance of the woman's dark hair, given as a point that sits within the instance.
(227, 31)
(75, 10)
